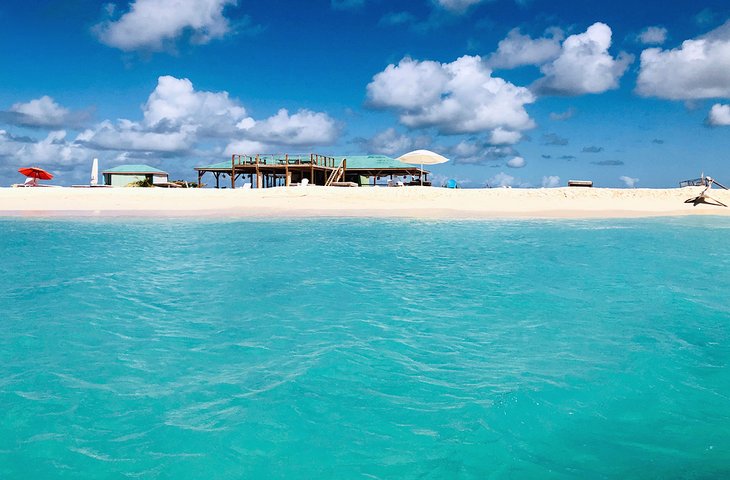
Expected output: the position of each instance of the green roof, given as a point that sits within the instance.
(132, 169)
(372, 162)
(216, 166)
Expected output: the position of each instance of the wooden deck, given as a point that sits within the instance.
(284, 170)
(274, 170)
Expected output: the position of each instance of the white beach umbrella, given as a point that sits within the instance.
(422, 157)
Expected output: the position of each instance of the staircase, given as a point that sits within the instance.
(336, 174)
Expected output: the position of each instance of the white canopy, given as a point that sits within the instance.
(422, 157)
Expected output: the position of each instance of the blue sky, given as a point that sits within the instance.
(514, 92)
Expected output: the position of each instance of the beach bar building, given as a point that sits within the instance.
(123, 175)
(262, 171)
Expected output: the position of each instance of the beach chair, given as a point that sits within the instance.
(304, 182)
(30, 182)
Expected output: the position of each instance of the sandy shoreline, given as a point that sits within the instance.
(408, 202)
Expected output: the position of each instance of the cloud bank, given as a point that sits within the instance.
(177, 120)
(455, 98)
(43, 112)
(698, 69)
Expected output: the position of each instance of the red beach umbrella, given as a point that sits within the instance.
(35, 172)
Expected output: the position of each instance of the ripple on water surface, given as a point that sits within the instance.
(365, 348)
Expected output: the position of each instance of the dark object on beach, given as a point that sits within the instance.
(580, 183)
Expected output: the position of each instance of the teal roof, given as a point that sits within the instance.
(372, 162)
(134, 169)
(216, 166)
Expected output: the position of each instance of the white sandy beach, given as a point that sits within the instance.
(313, 201)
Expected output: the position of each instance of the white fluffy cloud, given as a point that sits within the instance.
(175, 102)
(409, 85)
(584, 65)
(53, 150)
(176, 117)
(719, 115)
(699, 68)
(467, 152)
(502, 180)
(41, 112)
(151, 24)
(653, 36)
(629, 181)
(390, 142)
(128, 135)
(516, 162)
(551, 181)
(301, 129)
(517, 49)
(455, 98)
(500, 136)
(479, 153)
(245, 147)
(176, 120)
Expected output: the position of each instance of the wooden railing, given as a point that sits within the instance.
(283, 159)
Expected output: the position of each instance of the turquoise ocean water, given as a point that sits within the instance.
(365, 349)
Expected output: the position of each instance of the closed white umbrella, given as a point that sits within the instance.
(94, 173)
(422, 157)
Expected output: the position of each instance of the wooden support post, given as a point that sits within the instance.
(200, 175)
(233, 171)
(287, 174)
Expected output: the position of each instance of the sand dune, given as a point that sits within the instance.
(418, 202)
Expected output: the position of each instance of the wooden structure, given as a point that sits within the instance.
(123, 175)
(262, 171)
(283, 170)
